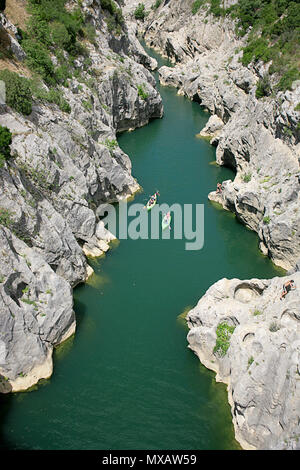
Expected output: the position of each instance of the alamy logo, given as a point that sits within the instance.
(2, 92)
(182, 222)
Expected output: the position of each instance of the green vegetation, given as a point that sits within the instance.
(111, 144)
(274, 327)
(250, 361)
(257, 312)
(5, 141)
(156, 4)
(2, 5)
(6, 217)
(139, 12)
(196, 5)
(115, 19)
(87, 104)
(267, 219)
(285, 83)
(263, 87)
(274, 35)
(18, 93)
(215, 8)
(224, 332)
(142, 92)
(51, 30)
(247, 177)
(29, 302)
(54, 95)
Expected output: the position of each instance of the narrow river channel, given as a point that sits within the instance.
(127, 380)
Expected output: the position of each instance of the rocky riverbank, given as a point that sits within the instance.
(63, 166)
(251, 339)
(241, 329)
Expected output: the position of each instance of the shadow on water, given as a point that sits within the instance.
(79, 307)
(7, 399)
(5, 405)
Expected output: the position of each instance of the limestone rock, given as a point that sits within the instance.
(36, 314)
(213, 127)
(261, 364)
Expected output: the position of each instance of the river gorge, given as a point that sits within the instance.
(127, 380)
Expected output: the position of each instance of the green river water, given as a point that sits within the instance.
(127, 379)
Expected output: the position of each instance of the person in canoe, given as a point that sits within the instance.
(152, 201)
(166, 221)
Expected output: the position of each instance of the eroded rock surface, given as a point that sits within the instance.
(262, 363)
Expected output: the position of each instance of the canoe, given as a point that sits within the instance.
(151, 204)
(166, 221)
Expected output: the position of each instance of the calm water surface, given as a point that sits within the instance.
(127, 379)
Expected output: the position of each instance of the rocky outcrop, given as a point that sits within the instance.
(212, 128)
(36, 314)
(63, 166)
(257, 138)
(257, 353)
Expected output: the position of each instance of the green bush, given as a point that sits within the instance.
(224, 332)
(111, 144)
(250, 361)
(18, 92)
(139, 12)
(5, 141)
(215, 8)
(56, 96)
(60, 35)
(51, 28)
(157, 4)
(196, 6)
(38, 59)
(2, 5)
(52, 96)
(275, 34)
(257, 49)
(247, 177)
(142, 92)
(115, 12)
(263, 87)
(90, 33)
(39, 30)
(257, 312)
(274, 327)
(286, 81)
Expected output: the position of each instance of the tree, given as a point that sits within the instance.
(5, 141)
(2, 5)
(139, 12)
(18, 92)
